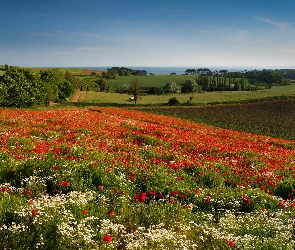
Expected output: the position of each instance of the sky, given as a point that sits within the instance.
(195, 33)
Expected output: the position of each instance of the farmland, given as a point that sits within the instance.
(273, 118)
(110, 178)
(102, 98)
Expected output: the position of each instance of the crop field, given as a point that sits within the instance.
(275, 118)
(111, 178)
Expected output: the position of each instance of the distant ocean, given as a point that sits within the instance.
(181, 70)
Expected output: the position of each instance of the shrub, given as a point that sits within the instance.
(173, 101)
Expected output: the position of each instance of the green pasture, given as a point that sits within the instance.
(197, 98)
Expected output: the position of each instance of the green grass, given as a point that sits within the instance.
(198, 98)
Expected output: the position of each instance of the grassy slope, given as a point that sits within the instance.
(198, 98)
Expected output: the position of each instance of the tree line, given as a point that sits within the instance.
(21, 87)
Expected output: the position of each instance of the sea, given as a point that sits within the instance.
(181, 70)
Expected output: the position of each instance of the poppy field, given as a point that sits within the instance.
(111, 178)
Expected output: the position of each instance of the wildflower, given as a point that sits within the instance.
(85, 211)
(100, 187)
(208, 199)
(28, 191)
(56, 167)
(248, 201)
(282, 204)
(4, 189)
(108, 238)
(116, 191)
(230, 243)
(142, 197)
(122, 192)
(34, 212)
(64, 183)
(197, 191)
(111, 212)
(131, 178)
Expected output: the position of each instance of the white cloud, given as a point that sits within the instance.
(282, 25)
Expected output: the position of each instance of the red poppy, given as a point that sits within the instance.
(108, 238)
(282, 204)
(34, 212)
(230, 243)
(197, 191)
(64, 183)
(4, 189)
(100, 187)
(131, 178)
(85, 211)
(111, 212)
(142, 197)
(28, 191)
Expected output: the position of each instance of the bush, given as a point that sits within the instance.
(173, 101)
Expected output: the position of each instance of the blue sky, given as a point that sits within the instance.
(196, 33)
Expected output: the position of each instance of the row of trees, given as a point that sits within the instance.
(25, 88)
(113, 72)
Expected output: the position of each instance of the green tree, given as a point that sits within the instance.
(56, 84)
(103, 84)
(135, 89)
(172, 87)
(190, 86)
(22, 88)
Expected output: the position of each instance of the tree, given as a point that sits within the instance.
(135, 89)
(173, 101)
(56, 84)
(22, 88)
(172, 87)
(103, 85)
(190, 86)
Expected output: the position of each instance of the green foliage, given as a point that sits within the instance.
(58, 88)
(173, 101)
(172, 87)
(190, 86)
(21, 88)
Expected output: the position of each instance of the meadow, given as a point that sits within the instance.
(205, 98)
(112, 178)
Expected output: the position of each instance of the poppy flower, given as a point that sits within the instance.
(34, 212)
(230, 243)
(84, 211)
(4, 189)
(64, 183)
(108, 238)
(28, 191)
(111, 212)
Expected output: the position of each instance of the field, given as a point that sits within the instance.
(206, 98)
(274, 118)
(110, 178)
